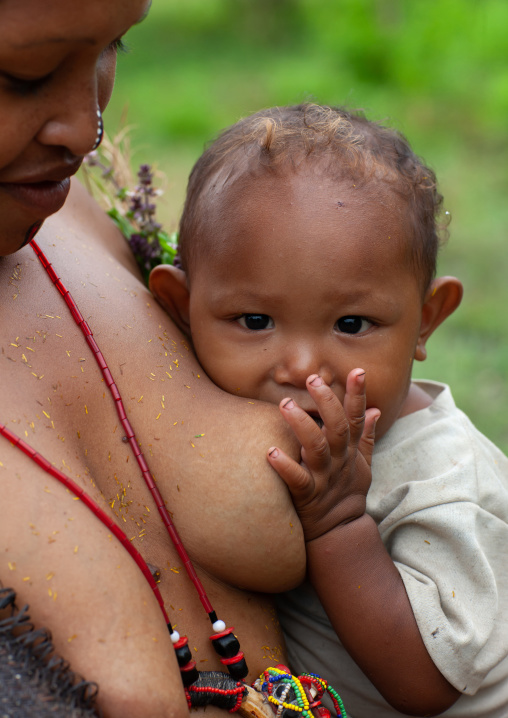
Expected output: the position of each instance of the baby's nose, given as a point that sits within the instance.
(298, 363)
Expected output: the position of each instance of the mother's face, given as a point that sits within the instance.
(57, 65)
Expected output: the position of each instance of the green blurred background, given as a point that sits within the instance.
(435, 69)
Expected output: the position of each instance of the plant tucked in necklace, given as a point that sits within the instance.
(133, 210)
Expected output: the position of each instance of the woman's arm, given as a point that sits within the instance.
(79, 582)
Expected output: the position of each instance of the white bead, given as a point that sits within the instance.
(175, 637)
(219, 626)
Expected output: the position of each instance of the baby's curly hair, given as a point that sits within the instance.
(344, 143)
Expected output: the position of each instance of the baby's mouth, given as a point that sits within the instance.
(314, 415)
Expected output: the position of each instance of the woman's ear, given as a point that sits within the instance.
(441, 299)
(169, 286)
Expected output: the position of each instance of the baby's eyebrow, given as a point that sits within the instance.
(225, 291)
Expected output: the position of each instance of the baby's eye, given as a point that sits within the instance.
(353, 325)
(256, 322)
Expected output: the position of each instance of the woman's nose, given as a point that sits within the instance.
(298, 363)
(75, 123)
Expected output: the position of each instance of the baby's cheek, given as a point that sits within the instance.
(389, 399)
(237, 377)
(232, 367)
(223, 370)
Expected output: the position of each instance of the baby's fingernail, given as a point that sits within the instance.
(360, 378)
(289, 404)
(273, 452)
(315, 380)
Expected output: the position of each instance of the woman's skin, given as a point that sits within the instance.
(206, 449)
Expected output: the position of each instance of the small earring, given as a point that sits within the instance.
(420, 352)
(100, 130)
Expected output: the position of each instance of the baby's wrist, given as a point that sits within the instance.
(341, 520)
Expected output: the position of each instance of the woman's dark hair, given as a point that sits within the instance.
(35, 681)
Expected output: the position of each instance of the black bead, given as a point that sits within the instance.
(189, 677)
(183, 655)
(226, 646)
(238, 670)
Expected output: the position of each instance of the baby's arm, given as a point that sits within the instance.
(348, 564)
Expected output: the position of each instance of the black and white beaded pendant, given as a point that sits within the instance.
(100, 130)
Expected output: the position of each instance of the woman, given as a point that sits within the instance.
(205, 449)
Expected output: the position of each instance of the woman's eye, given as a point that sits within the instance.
(353, 325)
(255, 322)
(21, 86)
(119, 45)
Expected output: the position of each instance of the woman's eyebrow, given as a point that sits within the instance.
(52, 41)
(84, 40)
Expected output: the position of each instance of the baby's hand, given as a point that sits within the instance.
(329, 487)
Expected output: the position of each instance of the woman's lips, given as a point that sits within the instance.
(42, 197)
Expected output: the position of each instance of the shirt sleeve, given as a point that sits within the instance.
(443, 516)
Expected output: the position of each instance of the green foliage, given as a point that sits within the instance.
(216, 57)
(436, 69)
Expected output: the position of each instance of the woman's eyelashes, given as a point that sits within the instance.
(352, 325)
(255, 322)
(22, 86)
(119, 45)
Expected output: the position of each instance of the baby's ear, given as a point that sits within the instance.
(442, 299)
(169, 286)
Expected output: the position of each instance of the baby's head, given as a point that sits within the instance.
(308, 244)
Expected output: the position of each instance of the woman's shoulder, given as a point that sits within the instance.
(82, 214)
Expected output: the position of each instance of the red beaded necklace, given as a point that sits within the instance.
(224, 641)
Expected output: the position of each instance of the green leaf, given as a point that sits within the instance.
(122, 223)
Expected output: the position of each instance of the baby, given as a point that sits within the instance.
(308, 248)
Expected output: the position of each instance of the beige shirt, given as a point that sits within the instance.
(440, 498)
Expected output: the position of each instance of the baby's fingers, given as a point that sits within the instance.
(354, 404)
(315, 447)
(331, 411)
(295, 476)
(366, 443)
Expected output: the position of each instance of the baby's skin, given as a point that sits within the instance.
(302, 295)
(348, 564)
(329, 486)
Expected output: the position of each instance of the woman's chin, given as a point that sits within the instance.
(16, 232)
